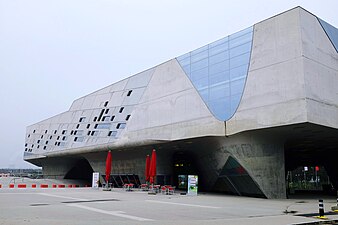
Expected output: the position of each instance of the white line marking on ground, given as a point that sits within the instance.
(113, 213)
(65, 197)
(183, 204)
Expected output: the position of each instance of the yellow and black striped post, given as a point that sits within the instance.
(321, 210)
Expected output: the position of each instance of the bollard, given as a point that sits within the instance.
(321, 209)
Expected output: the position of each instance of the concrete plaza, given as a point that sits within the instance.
(94, 206)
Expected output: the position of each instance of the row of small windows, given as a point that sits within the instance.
(104, 118)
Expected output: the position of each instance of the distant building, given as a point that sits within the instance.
(239, 112)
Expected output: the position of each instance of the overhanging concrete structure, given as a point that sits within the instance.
(238, 112)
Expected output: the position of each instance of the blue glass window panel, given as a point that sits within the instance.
(219, 67)
(241, 49)
(182, 57)
(198, 74)
(185, 62)
(331, 32)
(199, 65)
(240, 60)
(235, 99)
(199, 56)
(186, 69)
(237, 86)
(218, 42)
(219, 48)
(204, 94)
(201, 49)
(239, 72)
(219, 57)
(241, 33)
(221, 107)
(240, 40)
(219, 91)
(103, 126)
(221, 77)
(201, 83)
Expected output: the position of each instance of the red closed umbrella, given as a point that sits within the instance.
(108, 166)
(152, 171)
(147, 168)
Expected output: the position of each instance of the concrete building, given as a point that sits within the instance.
(240, 112)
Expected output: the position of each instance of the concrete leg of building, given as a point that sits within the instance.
(57, 168)
(262, 156)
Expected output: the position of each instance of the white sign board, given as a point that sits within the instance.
(192, 184)
(95, 181)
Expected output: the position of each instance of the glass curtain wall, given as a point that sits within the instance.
(219, 70)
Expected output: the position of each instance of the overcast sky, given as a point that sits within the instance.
(55, 51)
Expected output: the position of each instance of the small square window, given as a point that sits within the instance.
(107, 110)
(121, 109)
(75, 139)
(77, 127)
(59, 143)
(29, 135)
(46, 142)
(26, 145)
(95, 126)
(82, 119)
(112, 133)
(88, 125)
(58, 138)
(129, 92)
(38, 146)
(50, 137)
(56, 143)
(112, 118)
(64, 131)
(33, 131)
(71, 133)
(75, 132)
(44, 147)
(41, 136)
(128, 116)
(64, 138)
(38, 141)
(32, 145)
(88, 133)
(46, 131)
(120, 126)
(106, 103)
(95, 118)
(55, 131)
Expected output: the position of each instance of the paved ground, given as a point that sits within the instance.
(91, 206)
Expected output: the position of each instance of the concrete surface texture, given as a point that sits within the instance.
(94, 206)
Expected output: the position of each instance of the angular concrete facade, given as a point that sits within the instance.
(239, 112)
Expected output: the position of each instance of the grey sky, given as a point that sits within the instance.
(52, 52)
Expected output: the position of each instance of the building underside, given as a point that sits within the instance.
(242, 113)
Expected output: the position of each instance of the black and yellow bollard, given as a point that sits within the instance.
(321, 210)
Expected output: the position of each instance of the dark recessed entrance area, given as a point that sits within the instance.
(81, 171)
(183, 165)
(311, 160)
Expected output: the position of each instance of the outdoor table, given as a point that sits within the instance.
(128, 187)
